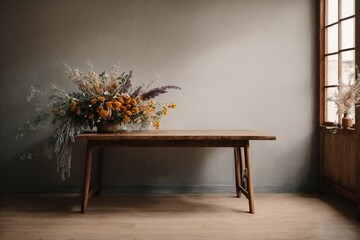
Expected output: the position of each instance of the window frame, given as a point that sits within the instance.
(323, 55)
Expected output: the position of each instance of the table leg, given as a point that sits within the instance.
(100, 170)
(249, 177)
(358, 166)
(87, 176)
(237, 155)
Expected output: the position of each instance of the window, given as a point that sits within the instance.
(337, 52)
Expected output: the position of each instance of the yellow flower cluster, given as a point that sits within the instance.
(111, 108)
(165, 108)
(156, 124)
(126, 104)
(129, 107)
(156, 118)
(173, 105)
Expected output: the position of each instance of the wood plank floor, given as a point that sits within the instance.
(279, 216)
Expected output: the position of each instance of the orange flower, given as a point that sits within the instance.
(99, 108)
(109, 105)
(133, 102)
(123, 108)
(93, 101)
(117, 105)
(104, 114)
(173, 105)
(135, 109)
(127, 100)
(102, 99)
(165, 111)
(126, 119)
(128, 113)
(121, 99)
(157, 124)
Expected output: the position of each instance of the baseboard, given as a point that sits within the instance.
(195, 189)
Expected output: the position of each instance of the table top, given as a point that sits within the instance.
(213, 135)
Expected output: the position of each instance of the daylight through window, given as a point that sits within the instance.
(339, 50)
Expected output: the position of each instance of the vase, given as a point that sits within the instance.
(107, 127)
(346, 121)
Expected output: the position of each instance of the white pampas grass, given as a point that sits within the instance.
(348, 96)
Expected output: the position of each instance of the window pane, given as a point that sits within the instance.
(331, 70)
(330, 109)
(331, 39)
(347, 33)
(331, 11)
(347, 8)
(348, 66)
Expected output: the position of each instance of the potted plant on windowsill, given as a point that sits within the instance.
(346, 99)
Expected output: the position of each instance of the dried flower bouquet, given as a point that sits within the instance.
(348, 96)
(103, 98)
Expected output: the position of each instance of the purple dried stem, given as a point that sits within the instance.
(152, 93)
(136, 92)
(127, 84)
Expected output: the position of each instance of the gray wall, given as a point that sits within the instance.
(241, 64)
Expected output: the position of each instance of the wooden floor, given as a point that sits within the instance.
(279, 216)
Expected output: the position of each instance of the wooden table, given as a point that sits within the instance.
(236, 139)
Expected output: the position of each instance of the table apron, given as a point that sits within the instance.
(167, 143)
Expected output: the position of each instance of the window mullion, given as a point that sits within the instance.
(339, 47)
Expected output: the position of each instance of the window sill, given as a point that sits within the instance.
(332, 128)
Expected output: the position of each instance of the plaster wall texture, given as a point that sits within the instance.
(241, 65)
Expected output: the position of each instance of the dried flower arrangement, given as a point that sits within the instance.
(348, 96)
(103, 98)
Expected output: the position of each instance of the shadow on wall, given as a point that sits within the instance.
(208, 47)
(178, 168)
(33, 175)
(126, 170)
